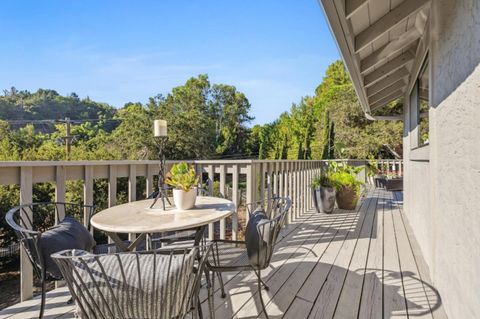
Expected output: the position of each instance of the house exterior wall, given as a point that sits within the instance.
(442, 180)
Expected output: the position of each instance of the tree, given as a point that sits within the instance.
(231, 112)
(326, 136)
(331, 141)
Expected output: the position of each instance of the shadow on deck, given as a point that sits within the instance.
(349, 264)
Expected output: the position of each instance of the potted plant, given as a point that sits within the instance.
(323, 193)
(347, 187)
(393, 182)
(372, 172)
(184, 180)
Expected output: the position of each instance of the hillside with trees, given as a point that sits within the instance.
(206, 121)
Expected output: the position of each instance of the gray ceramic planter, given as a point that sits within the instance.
(324, 199)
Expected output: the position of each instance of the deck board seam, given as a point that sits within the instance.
(374, 202)
(338, 252)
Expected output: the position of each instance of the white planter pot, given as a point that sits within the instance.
(184, 200)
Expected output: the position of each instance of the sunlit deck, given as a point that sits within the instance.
(355, 264)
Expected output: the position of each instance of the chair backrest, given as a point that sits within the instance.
(276, 210)
(29, 221)
(153, 284)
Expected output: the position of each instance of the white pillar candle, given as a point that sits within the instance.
(160, 128)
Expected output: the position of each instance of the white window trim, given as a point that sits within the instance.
(417, 152)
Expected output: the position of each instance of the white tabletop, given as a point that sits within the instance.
(138, 217)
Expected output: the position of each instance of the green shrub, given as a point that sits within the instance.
(345, 176)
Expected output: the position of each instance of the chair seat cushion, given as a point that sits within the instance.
(133, 285)
(257, 241)
(68, 234)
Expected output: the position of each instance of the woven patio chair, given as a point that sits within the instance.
(31, 221)
(266, 219)
(150, 284)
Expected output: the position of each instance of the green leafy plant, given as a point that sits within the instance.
(321, 180)
(372, 168)
(343, 179)
(182, 176)
(345, 176)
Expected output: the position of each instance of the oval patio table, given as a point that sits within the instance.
(138, 218)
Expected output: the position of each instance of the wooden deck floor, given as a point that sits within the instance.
(350, 264)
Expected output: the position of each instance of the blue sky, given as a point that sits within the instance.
(117, 51)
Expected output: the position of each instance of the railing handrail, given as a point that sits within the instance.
(140, 162)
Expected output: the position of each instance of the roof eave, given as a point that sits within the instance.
(340, 36)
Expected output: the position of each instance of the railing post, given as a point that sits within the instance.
(26, 270)
(222, 193)
(235, 201)
(112, 185)
(60, 191)
(251, 187)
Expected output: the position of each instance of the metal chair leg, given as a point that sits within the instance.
(222, 287)
(211, 297)
(260, 282)
(42, 302)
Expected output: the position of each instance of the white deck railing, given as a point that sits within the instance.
(278, 177)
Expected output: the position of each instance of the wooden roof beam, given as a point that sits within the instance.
(389, 80)
(408, 40)
(399, 85)
(385, 100)
(388, 68)
(387, 22)
(351, 6)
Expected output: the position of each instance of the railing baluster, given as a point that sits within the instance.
(281, 188)
(112, 190)
(149, 186)
(251, 186)
(26, 270)
(87, 192)
(211, 229)
(269, 170)
(112, 185)
(222, 193)
(60, 191)
(132, 190)
(235, 201)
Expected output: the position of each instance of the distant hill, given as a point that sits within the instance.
(19, 107)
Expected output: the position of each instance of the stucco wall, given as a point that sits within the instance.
(446, 216)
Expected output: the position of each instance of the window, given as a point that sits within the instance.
(422, 105)
(419, 107)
